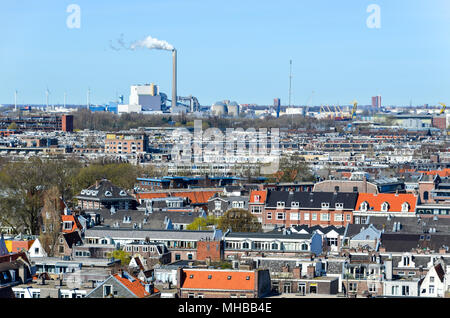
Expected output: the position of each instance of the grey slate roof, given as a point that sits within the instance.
(104, 190)
(312, 200)
(151, 234)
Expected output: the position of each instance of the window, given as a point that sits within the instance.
(405, 290)
(295, 204)
(349, 217)
(280, 204)
(191, 276)
(324, 217)
(325, 205)
(294, 216)
(191, 295)
(394, 290)
(338, 217)
(107, 290)
(189, 256)
(314, 216)
(306, 216)
(405, 207)
(274, 247)
(247, 278)
(304, 247)
(364, 206)
(372, 287)
(177, 257)
(431, 279)
(352, 287)
(67, 225)
(431, 289)
(385, 207)
(280, 216)
(339, 206)
(269, 215)
(229, 277)
(256, 209)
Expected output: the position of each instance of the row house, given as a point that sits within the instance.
(311, 208)
(181, 244)
(257, 203)
(384, 204)
(237, 245)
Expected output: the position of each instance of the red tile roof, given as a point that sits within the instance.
(395, 201)
(262, 196)
(219, 280)
(442, 173)
(196, 197)
(75, 223)
(136, 287)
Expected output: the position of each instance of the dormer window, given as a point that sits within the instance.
(108, 194)
(325, 205)
(339, 206)
(405, 207)
(385, 207)
(280, 204)
(257, 198)
(122, 193)
(364, 206)
(295, 204)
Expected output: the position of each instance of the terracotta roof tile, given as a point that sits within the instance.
(395, 201)
(262, 196)
(219, 280)
(137, 287)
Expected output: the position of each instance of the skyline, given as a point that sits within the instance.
(236, 51)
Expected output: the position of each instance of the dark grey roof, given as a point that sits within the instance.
(411, 224)
(353, 229)
(312, 200)
(269, 235)
(324, 230)
(156, 220)
(104, 190)
(399, 242)
(72, 238)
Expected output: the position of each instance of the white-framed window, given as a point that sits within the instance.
(364, 206)
(295, 204)
(280, 216)
(338, 217)
(324, 217)
(280, 204)
(107, 290)
(67, 225)
(306, 216)
(256, 198)
(385, 207)
(269, 215)
(217, 205)
(339, 206)
(405, 207)
(256, 209)
(314, 217)
(348, 217)
(294, 216)
(372, 287)
(325, 205)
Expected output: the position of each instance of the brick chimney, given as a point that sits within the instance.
(297, 272)
(310, 271)
(285, 268)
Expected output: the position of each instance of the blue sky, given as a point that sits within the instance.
(234, 49)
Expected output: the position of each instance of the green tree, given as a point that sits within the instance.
(239, 220)
(12, 126)
(124, 257)
(202, 223)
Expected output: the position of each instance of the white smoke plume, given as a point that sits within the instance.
(152, 43)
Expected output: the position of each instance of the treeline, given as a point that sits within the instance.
(24, 185)
(105, 121)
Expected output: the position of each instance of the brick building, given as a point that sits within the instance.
(309, 208)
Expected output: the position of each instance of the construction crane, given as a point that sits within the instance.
(355, 105)
(443, 108)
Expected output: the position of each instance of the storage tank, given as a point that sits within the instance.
(219, 109)
(233, 109)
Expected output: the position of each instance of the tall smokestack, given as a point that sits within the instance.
(174, 80)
